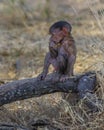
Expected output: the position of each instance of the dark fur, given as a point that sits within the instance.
(60, 25)
(61, 55)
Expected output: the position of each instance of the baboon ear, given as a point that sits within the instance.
(65, 30)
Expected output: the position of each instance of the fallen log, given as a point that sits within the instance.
(28, 88)
(11, 127)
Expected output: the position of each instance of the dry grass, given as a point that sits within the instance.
(20, 47)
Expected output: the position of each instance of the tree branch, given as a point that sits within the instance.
(28, 88)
